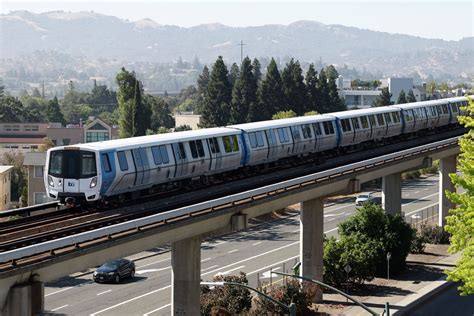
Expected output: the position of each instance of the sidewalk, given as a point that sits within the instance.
(422, 279)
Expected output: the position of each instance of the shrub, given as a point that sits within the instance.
(418, 243)
(300, 293)
(230, 298)
(435, 235)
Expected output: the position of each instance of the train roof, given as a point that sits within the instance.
(158, 139)
(369, 111)
(249, 127)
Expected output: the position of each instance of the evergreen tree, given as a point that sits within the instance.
(161, 114)
(323, 91)
(215, 111)
(244, 95)
(271, 98)
(335, 101)
(134, 114)
(383, 99)
(411, 97)
(203, 82)
(53, 112)
(294, 88)
(312, 88)
(331, 72)
(2, 90)
(234, 74)
(257, 72)
(402, 98)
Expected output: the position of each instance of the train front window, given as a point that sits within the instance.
(72, 164)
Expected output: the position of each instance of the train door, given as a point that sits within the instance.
(297, 139)
(199, 160)
(181, 160)
(140, 168)
(272, 144)
(215, 152)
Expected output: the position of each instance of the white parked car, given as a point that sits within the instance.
(364, 198)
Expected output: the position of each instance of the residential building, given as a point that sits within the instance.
(5, 187)
(21, 137)
(396, 85)
(97, 131)
(187, 118)
(34, 162)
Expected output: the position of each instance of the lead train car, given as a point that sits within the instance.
(93, 171)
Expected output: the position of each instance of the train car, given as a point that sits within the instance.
(455, 107)
(93, 171)
(269, 141)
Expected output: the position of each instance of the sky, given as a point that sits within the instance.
(444, 19)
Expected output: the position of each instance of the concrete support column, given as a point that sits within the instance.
(446, 166)
(311, 241)
(25, 299)
(392, 194)
(186, 276)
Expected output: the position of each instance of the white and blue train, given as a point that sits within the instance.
(117, 169)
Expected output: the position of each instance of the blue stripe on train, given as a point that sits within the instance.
(107, 177)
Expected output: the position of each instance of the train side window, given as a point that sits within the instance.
(364, 122)
(380, 120)
(214, 144)
(122, 160)
(396, 117)
(355, 123)
(346, 125)
(328, 128)
(253, 140)
(227, 144)
(106, 163)
(388, 118)
(372, 121)
(260, 142)
(200, 148)
(192, 146)
(235, 143)
(317, 129)
(155, 151)
(454, 108)
(164, 154)
(306, 131)
(182, 152)
(283, 135)
(408, 116)
(296, 132)
(271, 137)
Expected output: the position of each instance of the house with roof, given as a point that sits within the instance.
(5, 187)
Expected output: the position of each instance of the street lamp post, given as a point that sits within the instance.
(291, 308)
(389, 256)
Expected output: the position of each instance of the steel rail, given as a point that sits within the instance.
(231, 199)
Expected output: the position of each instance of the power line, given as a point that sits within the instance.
(241, 50)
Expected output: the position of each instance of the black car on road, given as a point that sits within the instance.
(114, 271)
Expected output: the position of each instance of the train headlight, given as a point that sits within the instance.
(50, 181)
(93, 182)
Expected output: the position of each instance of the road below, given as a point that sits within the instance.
(266, 245)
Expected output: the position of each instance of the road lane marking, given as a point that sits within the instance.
(422, 198)
(232, 251)
(209, 268)
(332, 215)
(158, 309)
(58, 308)
(149, 264)
(130, 300)
(257, 243)
(420, 209)
(416, 192)
(267, 274)
(207, 259)
(296, 230)
(152, 270)
(65, 289)
(104, 292)
(228, 271)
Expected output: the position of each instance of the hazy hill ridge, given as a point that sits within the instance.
(94, 35)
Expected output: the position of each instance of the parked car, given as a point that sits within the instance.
(364, 198)
(114, 271)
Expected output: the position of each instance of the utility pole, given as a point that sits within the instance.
(42, 92)
(241, 50)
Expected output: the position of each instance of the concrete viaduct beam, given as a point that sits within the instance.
(186, 276)
(311, 241)
(446, 166)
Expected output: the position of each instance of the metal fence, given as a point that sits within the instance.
(424, 216)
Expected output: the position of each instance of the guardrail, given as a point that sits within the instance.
(422, 216)
(288, 185)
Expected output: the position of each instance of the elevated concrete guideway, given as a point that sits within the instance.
(185, 235)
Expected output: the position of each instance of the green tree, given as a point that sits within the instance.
(12, 110)
(460, 222)
(410, 96)
(324, 104)
(336, 103)
(183, 128)
(234, 74)
(19, 178)
(244, 96)
(53, 112)
(256, 68)
(311, 113)
(331, 72)
(284, 115)
(383, 99)
(101, 99)
(161, 114)
(215, 111)
(271, 98)
(294, 88)
(402, 98)
(311, 80)
(135, 114)
(203, 82)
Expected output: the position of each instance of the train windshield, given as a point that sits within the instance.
(72, 164)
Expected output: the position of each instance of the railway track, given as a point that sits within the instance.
(39, 230)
